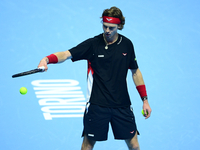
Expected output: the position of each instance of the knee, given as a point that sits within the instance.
(87, 144)
(134, 146)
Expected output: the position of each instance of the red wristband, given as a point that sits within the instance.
(142, 90)
(52, 59)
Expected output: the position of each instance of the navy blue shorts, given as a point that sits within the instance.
(97, 118)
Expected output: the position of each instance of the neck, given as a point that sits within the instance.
(112, 40)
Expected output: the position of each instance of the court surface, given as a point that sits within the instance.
(166, 37)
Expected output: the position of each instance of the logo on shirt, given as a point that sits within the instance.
(124, 54)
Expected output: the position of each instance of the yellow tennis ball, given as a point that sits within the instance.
(23, 90)
(143, 112)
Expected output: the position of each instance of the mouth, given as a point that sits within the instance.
(107, 35)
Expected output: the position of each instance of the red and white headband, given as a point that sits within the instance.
(111, 20)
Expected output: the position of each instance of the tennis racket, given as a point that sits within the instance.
(40, 69)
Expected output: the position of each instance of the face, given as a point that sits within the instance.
(110, 30)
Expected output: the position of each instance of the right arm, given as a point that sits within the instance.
(62, 56)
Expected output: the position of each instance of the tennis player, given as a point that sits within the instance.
(110, 55)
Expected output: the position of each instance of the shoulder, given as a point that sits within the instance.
(95, 38)
(126, 40)
(124, 37)
(90, 41)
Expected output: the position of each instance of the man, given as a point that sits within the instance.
(109, 57)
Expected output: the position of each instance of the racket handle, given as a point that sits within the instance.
(42, 67)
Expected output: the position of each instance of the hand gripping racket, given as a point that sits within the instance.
(40, 69)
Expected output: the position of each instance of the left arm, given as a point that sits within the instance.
(138, 80)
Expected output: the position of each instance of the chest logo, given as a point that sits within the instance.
(124, 54)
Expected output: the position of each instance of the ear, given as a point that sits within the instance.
(119, 26)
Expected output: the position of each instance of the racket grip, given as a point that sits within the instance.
(42, 67)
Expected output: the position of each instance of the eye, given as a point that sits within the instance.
(111, 28)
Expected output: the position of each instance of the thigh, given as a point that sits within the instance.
(96, 122)
(123, 123)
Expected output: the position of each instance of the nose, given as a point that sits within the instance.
(107, 29)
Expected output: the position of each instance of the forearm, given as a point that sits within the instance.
(137, 77)
(61, 56)
(139, 83)
(55, 58)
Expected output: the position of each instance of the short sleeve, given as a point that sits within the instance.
(82, 50)
(133, 63)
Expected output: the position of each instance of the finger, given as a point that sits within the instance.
(46, 68)
(43, 66)
(148, 114)
(145, 112)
